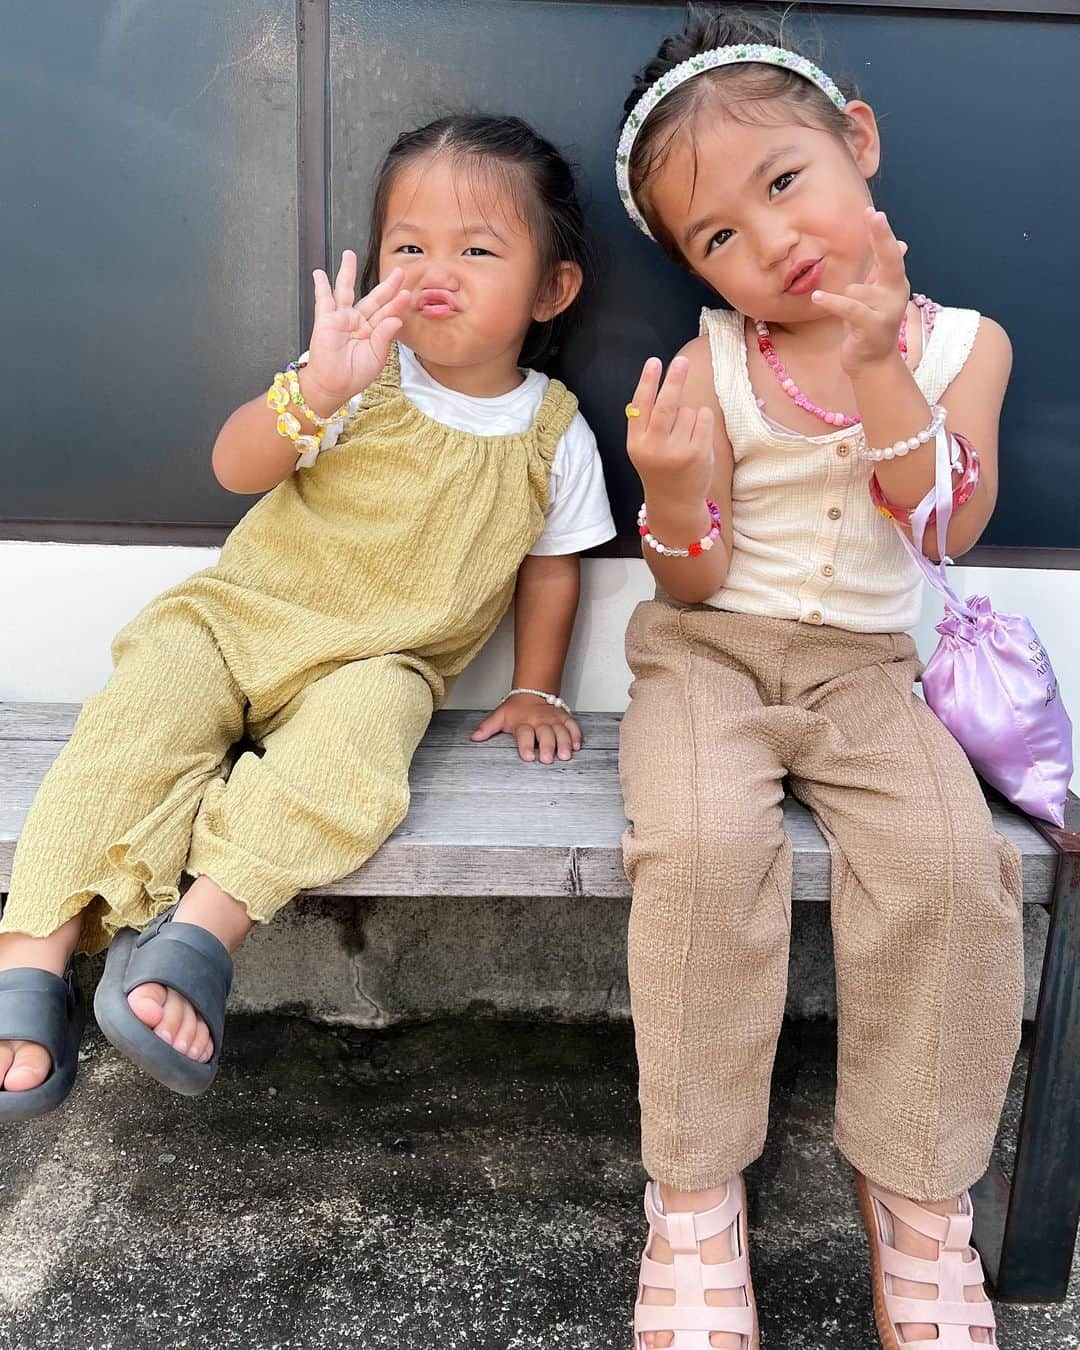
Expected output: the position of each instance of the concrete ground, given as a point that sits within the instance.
(462, 1183)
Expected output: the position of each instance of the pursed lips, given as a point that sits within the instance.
(436, 304)
(804, 275)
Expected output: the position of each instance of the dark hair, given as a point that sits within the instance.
(738, 89)
(543, 188)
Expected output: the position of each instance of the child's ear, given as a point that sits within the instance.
(862, 136)
(560, 292)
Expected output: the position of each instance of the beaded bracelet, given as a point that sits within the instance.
(292, 381)
(286, 390)
(905, 446)
(966, 464)
(700, 546)
(553, 699)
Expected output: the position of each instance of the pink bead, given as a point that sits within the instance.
(789, 386)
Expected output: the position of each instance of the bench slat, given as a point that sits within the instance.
(484, 823)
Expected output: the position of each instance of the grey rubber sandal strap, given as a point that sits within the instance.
(37, 1006)
(184, 957)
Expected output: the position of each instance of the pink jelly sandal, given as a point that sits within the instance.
(957, 1268)
(690, 1318)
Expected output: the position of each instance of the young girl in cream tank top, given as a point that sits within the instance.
(774, 457)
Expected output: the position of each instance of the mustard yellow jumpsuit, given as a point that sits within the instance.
(342, 603)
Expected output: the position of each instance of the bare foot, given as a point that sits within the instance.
(714, 1250)
(913, 1243)
(25, 1064)
(167, 1013)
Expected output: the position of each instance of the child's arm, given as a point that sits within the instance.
(891, 404)
(546, 601)
(349, 345)
(680, 449)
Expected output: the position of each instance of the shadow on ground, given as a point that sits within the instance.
(467, 1185)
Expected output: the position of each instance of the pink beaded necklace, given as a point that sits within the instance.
(835, 419)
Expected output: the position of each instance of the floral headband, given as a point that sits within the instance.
(741, 54)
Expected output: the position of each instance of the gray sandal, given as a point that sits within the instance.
(181, 956)
(38, 1006)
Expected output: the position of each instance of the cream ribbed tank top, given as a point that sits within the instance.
(809, 544)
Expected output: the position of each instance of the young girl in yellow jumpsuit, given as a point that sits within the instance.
(419, 476)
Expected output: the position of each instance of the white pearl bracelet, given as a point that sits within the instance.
(904, 446)
(553, 699)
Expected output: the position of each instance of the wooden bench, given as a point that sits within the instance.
(482, 823)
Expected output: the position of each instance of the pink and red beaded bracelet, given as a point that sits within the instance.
(695, 549)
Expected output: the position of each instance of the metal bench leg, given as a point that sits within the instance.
(1026, 1235)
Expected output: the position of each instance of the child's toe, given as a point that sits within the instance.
(147, 1002)
(200, 1043)
(172, 1016)
(185, 1032)
(29, 1067)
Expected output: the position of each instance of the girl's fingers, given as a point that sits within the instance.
(890, 261)
(381, 294)
(666, 407)
(546, 742)
(382, 335)
(701, 438)
(642, 402)
(645, 395)
(346, 278)
(869, 295)
(683, 427)
(362, 325)
(854, 311)
(576, 738)
(324, 296)
(395, 307)
(564, 745)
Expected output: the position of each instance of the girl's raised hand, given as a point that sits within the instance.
(350, 339)
(873, 311)
(671, 447)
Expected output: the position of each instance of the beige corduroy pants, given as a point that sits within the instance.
(926, 898)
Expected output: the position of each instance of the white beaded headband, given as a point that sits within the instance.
(740, 54)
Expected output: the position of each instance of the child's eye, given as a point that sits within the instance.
(475, 251)
(784, 181)
(408, 248)
(720, 237)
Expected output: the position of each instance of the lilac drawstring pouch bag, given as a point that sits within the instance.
(990, 680)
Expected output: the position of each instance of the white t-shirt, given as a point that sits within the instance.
(578, 514)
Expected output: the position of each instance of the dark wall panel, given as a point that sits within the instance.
(148, 239)
(149, 230)
(985, 197)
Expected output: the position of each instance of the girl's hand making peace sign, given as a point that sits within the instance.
(350, 340)
(873, 311)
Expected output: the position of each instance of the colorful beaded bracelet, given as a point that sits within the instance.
(966, 464)
(700, 546)
(285, 391)
(292, 381)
